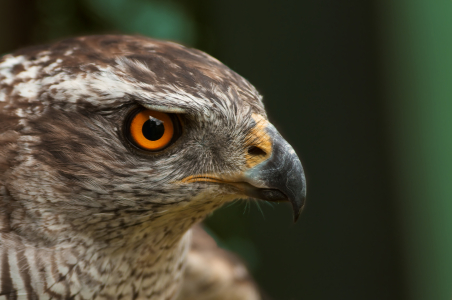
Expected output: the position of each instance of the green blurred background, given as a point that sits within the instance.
(362, 90)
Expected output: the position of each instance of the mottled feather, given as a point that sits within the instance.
(83, 213)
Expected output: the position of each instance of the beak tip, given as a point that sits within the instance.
(297, 209)
(298, 204)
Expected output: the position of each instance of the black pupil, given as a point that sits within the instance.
(153, 130)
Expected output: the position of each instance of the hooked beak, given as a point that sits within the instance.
(274, 173)
(280, 177)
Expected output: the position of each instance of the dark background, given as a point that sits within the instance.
(320, 66)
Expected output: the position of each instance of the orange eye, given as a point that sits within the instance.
(151, 130)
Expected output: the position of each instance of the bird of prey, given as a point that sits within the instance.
(112, 149)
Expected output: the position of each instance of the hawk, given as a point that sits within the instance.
(112, 149)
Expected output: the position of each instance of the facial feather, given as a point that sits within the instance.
(76, 101)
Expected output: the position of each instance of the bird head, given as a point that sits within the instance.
(114, 131)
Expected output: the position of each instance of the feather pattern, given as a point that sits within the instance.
(85, 216)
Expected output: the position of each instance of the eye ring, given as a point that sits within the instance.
(151, 130)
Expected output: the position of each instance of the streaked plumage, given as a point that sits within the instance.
(86, 215)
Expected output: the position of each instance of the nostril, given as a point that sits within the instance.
(253, 150)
